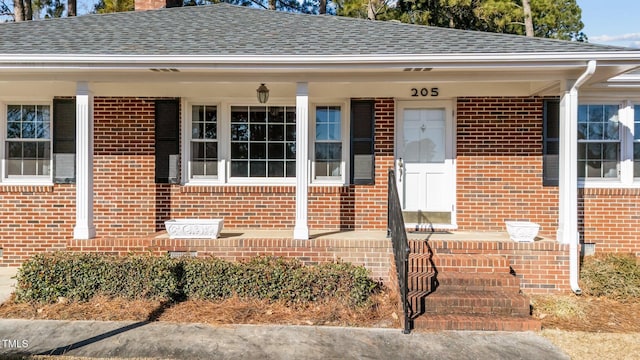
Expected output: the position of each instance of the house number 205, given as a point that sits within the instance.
(424, 92)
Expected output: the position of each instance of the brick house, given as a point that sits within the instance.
(113, 124)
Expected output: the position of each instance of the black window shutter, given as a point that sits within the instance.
(551, 143)
(167, 136)
(64, 141)
(362, 141)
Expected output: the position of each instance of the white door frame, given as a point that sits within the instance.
(448, 105)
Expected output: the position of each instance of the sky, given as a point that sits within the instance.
(612, 22)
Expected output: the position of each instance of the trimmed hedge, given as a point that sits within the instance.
(79, 277)
(274, 278)
(612, 275)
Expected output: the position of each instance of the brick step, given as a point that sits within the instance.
(462, 281)
(421, 282)
(416, 301)
(469, 263)
(487, 302)
(431, 322)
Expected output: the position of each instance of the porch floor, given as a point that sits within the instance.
(500, 236)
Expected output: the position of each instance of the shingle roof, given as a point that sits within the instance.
(224, 29)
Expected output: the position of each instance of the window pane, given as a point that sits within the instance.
(42, 130)
(239, 151)
(239, 132)
(582, 130)
(276, 132)
(276, 114)
(42, 114)
(197, 150)
(197, 113)
(290, 116)
(276, 151)
(258, 151)
(13, 130)
(14, 113)
(276, 169)
(197, 168)
(239, 114)
(334, 131)
(211, 150)
(14, 150)
(211, 131)
(291, 169)
(258, 132)
(28, 130)
(197, 130)
(258, 169)
(290, 150)
(211, 168)
(258, 114)
(329, 151)
(239, 168)
(291, 133)
(28, 113)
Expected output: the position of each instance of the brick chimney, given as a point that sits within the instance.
(143, 5)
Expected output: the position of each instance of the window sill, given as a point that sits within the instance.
(612, 184)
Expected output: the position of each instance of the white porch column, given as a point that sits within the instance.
(568, 172)
(84, 228)
(301, 229)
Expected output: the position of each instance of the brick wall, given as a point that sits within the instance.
(610, 219)
(542, 266)
(124, 166)
(499, 165)
(373, 253)
(34, 219)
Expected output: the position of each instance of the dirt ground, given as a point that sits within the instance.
(583, 327)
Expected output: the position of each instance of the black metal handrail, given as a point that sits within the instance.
(398, 234)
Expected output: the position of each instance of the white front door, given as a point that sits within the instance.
(424, 162)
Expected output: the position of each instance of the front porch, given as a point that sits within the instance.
(541, 266)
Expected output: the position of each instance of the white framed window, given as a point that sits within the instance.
(328, 147)
(608, 144)
(262, 142)
(202, 141)
(234, 142)
(599, 141)
(27, 142)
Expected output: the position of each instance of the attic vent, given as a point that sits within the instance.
(166, 70)
(417, 69)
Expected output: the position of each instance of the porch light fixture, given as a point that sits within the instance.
(263, 93)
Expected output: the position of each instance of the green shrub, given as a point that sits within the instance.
(274, 278)
(79, 277)
(612, 275)
(208, 278)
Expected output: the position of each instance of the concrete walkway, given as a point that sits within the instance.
(7, 282)
(197, 341)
